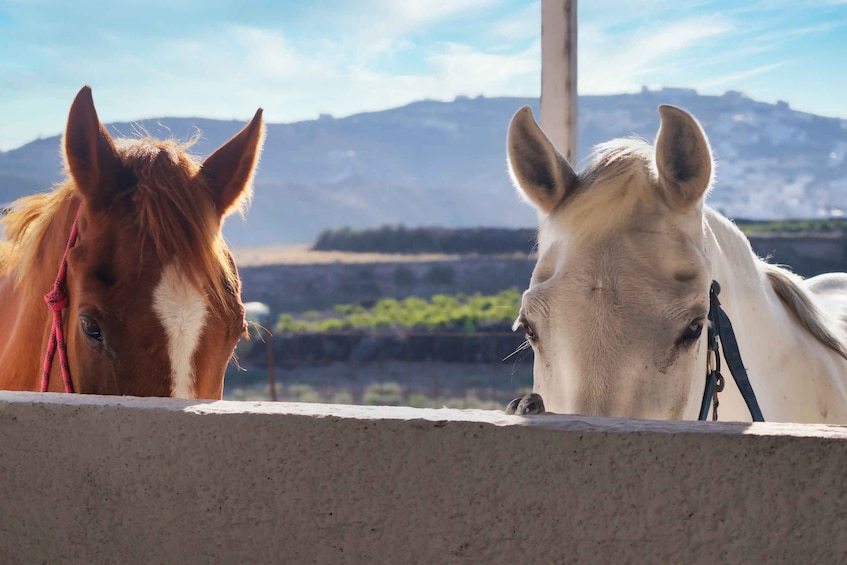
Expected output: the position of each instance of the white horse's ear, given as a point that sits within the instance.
(683, 158)
(539, 172)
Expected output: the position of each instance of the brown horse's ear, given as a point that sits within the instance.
(683, 158)
(540, 173)
(90, 154)
(228, 172)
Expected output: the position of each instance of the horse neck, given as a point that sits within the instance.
(24, 312)
(796, 378)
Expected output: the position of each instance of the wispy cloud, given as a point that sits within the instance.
(473, 72)
(242, 67)
(769, 49)
(616, 62)
(736, 76)
(523, 23)
(421, 12)
(222, 58)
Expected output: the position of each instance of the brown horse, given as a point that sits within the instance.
(153, 296)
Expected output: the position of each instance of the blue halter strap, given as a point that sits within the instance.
(720, 328)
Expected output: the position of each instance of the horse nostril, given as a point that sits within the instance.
(513, 406)
(531, 404)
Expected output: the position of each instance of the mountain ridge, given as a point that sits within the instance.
(443, 163)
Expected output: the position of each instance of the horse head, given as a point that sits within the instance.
(153, 305)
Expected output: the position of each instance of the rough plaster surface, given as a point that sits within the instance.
(119, 480)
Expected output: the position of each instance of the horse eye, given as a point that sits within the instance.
(528, 330)
(229, 288)
(91, 329)
(692, 332)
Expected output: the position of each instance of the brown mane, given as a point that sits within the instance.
(24, 227)
(181, 224)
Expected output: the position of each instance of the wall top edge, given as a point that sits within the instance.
(418, 416)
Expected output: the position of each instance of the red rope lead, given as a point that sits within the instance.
(57, 300)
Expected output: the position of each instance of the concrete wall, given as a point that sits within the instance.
(301, 287)
(97, 480)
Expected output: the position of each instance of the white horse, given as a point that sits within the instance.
(619, 297)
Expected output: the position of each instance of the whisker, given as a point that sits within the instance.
(234, 360)
(269, 333)
(520, 348)
(524, 347)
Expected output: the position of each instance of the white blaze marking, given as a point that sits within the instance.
(182, 311)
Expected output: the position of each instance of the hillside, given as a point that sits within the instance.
(443, 163)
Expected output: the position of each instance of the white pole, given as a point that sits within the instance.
(558, 75)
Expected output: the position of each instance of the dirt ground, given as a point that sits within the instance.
(301, 254)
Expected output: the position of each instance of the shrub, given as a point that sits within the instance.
(459, 312)
(383, 394)
(303, 393)
(341, 397)
(399, 239)
(420, 400)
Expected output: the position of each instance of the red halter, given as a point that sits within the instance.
(56, 300)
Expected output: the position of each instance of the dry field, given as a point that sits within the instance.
(301, 254)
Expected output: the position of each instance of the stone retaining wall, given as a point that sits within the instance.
(297, 288)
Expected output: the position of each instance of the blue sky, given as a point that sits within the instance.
(222, 59)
